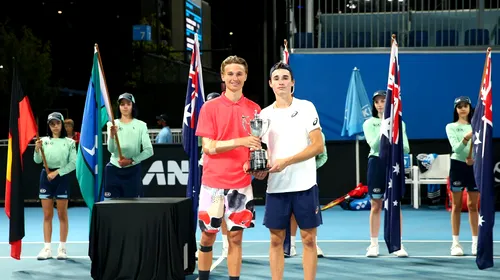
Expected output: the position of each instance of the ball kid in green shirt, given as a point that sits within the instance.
(60, 159)
(123, 175)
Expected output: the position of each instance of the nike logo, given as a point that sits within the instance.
(91, 151)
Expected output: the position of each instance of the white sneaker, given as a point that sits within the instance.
(293, 251)
(320, 252)
(401, 253)
(372, 251)
(224, 252)
(456, 249)
(61, 254)
(45, 253)
(474, 248)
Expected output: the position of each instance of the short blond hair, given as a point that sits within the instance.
(233, 59)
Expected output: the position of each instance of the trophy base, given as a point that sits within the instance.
(259, 169)
(258, 161)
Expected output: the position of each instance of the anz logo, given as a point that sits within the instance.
(176, 173)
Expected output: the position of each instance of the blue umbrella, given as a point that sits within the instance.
(357, 110)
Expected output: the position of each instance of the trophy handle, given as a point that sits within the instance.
(267, 124)
(244, 122)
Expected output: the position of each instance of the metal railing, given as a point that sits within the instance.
(339, 24)
(176, 136)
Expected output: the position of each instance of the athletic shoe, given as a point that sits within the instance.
(456, 249)
(45, 253)
(372, 251)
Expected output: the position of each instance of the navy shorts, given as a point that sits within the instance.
(376, 177)
(58, 188)
(462, 177)
(303, 204)
(123, 182)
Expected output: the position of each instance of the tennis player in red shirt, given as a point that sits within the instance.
(226, 191)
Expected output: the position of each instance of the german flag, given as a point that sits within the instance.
(22, 129)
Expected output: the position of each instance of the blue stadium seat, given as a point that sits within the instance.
(418, 38)
(384, 39)
(445, 38)
(332, 39)
(477, 37)
(359, 40)
(303, 40)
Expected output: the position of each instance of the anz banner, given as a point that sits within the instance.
(165, 174)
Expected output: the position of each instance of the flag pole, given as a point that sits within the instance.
(357, 160)
(107, 97)
(480, 89)
(41, 150)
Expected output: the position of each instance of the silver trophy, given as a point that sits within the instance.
(256, 127)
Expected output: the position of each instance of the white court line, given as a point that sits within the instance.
(221, 258)
(365, 257)
(267, 241)
(34, 257)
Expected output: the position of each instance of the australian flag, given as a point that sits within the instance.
(482, 127)
(195, 98)
(391, 153)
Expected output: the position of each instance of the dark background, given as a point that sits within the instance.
(109, 24)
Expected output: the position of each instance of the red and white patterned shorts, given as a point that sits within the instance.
(236, 206)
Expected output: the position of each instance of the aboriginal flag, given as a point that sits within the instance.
(22, 129)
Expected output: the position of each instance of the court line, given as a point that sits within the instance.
(215, 264)
(298, 241)
(365, 257)
(221, 258)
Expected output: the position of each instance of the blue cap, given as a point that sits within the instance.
(379, 93)
(459, 99)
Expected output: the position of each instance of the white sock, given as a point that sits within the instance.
(225, 243)
(292, 240)
(62, 245)
(47, 245)
(455, 239)
(474, 239)
(374, 240)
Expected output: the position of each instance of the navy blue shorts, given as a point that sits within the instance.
(376, 177)
(304, 205)
(58, 188)
(462, 177)
(123, 182)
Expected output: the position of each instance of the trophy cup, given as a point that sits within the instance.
(256, 127)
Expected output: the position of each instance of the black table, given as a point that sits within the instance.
(142, 239)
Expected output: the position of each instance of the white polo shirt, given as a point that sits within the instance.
(288, 135)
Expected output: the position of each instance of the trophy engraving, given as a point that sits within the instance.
(256, 127)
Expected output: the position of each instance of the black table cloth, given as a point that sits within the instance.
(142, 239)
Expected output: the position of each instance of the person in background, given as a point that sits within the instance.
(69, 126)
(459, 134)
(376, 172)
(60, 155)
(123, 175)
(165, 135)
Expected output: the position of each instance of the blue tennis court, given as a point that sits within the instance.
(343, 237)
